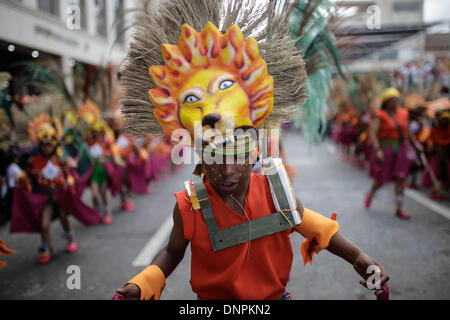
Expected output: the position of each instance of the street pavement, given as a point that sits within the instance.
(416, 253)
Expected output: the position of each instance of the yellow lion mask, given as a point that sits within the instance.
(217, 79)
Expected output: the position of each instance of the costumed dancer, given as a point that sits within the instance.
(75, 150)
(161, 151)
(124, 148)
(438, 155)
(13, 176)
(417, 107)
(362, 148)
(142, 156)
(100, 151)
(389, 135)
(237, 222)
(107, 169)
(53, 195)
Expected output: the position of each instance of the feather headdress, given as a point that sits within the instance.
(255, 20)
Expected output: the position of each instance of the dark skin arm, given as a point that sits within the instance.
(346, 250)
(170, 256)
(360, 261)
(167, 259)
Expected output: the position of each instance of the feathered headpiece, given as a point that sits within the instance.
(225, 64)
(415, 101)
(314, 37)
(43, 130)
(89, 113)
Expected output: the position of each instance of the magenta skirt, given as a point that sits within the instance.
(137, 173)
(336, 133)
(349, 135)
(27, 209)
(115, 175)
(395, 165)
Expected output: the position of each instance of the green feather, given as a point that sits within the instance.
(309, 23)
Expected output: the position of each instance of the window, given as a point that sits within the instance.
(100, 17)
(49, 6)
(120, 25)
(408, 6)
(390, 55)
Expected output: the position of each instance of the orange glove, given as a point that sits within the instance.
(318, 230)
(143, 154)
(71, 184)
(151, 282)
(24, 183)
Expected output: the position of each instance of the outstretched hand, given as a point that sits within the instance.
(373, 273)
(128, 292)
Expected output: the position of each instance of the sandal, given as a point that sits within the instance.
(128, 206)
(45, 258)
(368, 201)
(402, 215)
(72, 247)
(108, 218)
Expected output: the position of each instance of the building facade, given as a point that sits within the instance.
(394, 18)
(86, 31)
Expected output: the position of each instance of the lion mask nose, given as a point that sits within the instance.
(211, 120)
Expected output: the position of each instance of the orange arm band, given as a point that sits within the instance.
(151, 282)
(24, 182)
(318, 230)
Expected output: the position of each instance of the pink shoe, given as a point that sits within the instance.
(367, 201)
(108, 219)
(402, 215)
(128, 206)
(433, 196)
(72, 247)
(45, 258)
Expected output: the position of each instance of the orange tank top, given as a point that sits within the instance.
(388, 129)
(48, 173)
(229, 273)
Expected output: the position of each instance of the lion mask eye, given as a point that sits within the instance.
(226, 84)
(191, 99)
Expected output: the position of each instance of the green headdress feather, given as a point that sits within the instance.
(310, 26)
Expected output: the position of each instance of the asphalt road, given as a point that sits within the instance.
(415, 253)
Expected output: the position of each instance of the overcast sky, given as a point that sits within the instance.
(436, 10)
